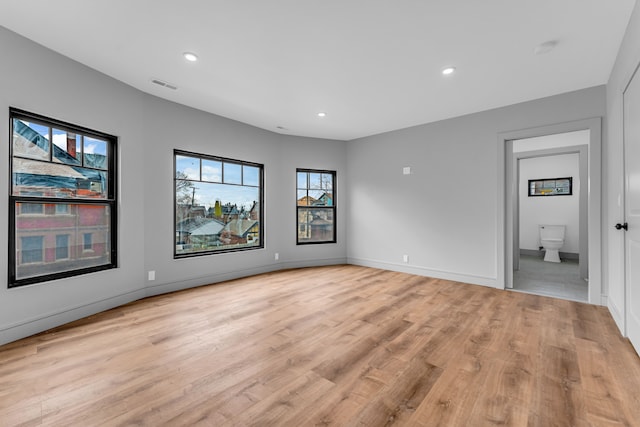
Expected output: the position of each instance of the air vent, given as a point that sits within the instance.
(164, 84)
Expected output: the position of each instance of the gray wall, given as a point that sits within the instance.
(626, 62)
(148, 129)
(443, 215)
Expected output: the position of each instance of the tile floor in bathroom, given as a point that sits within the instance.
(560, 280)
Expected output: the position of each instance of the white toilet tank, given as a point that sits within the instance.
(551, 232)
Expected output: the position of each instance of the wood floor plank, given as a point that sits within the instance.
(508, 392)
(395, 403)
(601, 395)
(278, 408)
(328, 346)
(451, 401)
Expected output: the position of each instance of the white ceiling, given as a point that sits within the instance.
(371, 65)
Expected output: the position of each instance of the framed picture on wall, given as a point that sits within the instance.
(551, 187)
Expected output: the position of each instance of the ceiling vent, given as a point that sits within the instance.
(545, 47)
(164, 84)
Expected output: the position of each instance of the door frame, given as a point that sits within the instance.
(505, 213)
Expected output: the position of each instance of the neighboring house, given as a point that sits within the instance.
(60, 235)
(207, 234)
(240, 231)
(186, 211)
(254, 212)
(198, 230)
(325, 200)
(198, 212)
(306, 201)
(230, 212)
(321, 229)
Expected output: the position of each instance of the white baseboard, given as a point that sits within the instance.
(313, 263)
(617, 314)
(491, 282)
(163, 288)
(603, 299)
(34, 325)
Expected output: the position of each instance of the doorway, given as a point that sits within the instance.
(506, 211)
(551, 173)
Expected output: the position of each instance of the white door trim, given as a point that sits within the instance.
(505, 216)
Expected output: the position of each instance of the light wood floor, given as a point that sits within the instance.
(337, 346)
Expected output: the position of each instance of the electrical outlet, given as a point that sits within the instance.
(406, 170)
(277, 256)
(152, 275)
(405, 258)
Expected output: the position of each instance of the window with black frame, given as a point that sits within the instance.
(218, 205)
(551, 187)
(316, 206)
(63, 190)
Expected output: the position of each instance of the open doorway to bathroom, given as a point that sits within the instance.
(550, 234)
(508, 243)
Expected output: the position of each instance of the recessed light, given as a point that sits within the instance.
(189, 56)
(322, 114)
(448, 70)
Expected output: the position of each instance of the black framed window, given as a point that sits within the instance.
(551, 187)
(63, 186)
(218, 205)
(316, 206)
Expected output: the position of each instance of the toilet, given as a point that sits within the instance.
(551, 239)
